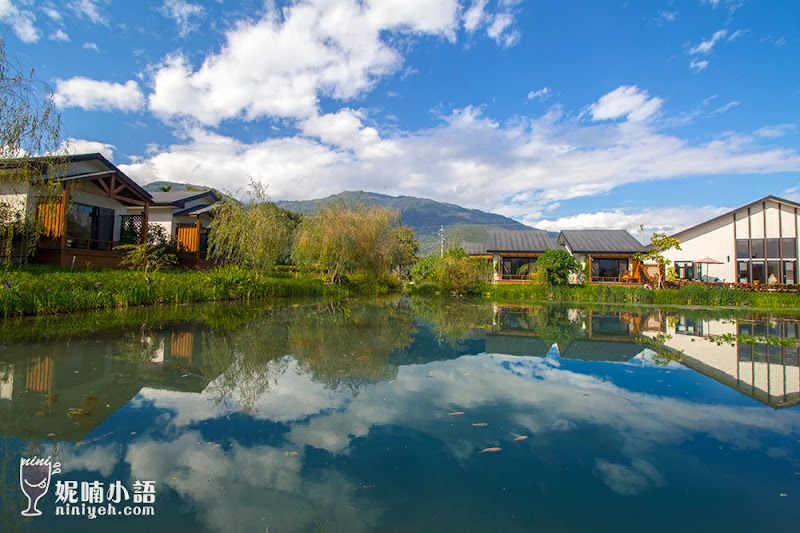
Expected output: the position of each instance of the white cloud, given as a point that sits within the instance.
(281, 64)
(502, 31)
(667, 16)
(187, 16)
(59, 35)
(90, 9)
(517, 169)
(698, 65)
(625, 101)
(732, 5)
(82, 146)
(657, 220)
(476, 16)
(738, 33)
(52, 13)
(542, 94)
(20, 20)
(724, 108)
(773, 132)
(90, 46)
(706, 46)
(92, 94)
(628, 480)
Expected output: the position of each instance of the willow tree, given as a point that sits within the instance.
(342, 239)
(30, 126)
(256, 235)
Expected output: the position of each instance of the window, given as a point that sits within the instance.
(789, 248)
(773, 248)
(684, 269)
(608, 268)
(512, 265)
(743, 272)
(773, 272)
(789, 274)
(757, 248)
(742, 249)
(89, 226)
(759, 273)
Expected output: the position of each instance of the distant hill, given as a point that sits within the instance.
(155, 186)
(424, 215)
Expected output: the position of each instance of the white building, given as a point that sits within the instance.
(755, 242)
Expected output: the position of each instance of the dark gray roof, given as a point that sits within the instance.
(587, 241)
(595, 350)
(194, 210)
(529, 241)
(474, 248)
(516, 345)
(179, 198)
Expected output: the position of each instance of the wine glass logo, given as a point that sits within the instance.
(34, 479)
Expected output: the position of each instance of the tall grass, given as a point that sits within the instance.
(692, 294)
(35, 290)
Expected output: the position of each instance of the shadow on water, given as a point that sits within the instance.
(329, 398)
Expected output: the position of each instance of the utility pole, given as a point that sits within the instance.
(441, 240)
(641, 233)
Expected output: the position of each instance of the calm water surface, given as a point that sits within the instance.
(377, 416)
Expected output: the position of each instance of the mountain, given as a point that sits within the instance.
(424, 215)
(155, 186)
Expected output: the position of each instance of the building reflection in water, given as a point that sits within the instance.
(755, 357)
(65, 389)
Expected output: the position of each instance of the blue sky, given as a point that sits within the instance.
(558, 113)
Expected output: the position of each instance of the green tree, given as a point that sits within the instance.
(659, 243)
(256, 235)
(342, 239)
(406, 247)
(554, 267)
(165, 188)
(29, 126)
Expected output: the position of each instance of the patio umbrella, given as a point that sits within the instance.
(706, 261)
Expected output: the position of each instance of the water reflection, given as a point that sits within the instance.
(342, 414)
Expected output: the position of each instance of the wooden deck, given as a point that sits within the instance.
(83, 258)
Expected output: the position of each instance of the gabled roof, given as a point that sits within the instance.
(180, 198)
(194, 210)
(43, 163)
(474, 248)
(525, 241)
(732, 211)
(588, 241)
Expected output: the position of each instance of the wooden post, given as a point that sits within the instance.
(145, 222)
(197, 223)
(64, 208)
(589, 259)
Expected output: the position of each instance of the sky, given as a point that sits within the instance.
(561, 114)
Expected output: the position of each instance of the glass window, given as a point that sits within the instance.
(608, 268)
(90, 226)
(742, 249)
(773, 272)
(512, 265)
(684, 269)
(790, 272)
(790, 248)
(757, 248)
(773, 248)
(744, 272)
(759, 272)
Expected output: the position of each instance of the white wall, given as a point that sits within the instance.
(716, 239)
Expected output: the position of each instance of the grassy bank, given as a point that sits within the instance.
(46, 290)
(694, 295)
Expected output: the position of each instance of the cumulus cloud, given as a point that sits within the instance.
(90, 46)
(186, 15)
(82, 146)
(92, 94)
(625, 101)
(519, 168)
(281, 64)
(476, 15)
(21, 21)
(658, 220)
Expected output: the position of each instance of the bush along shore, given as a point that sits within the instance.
(47, 290)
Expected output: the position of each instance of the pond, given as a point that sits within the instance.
(402, 415)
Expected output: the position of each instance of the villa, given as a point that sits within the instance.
(757, 242)
(513, 250)
(610, 254)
